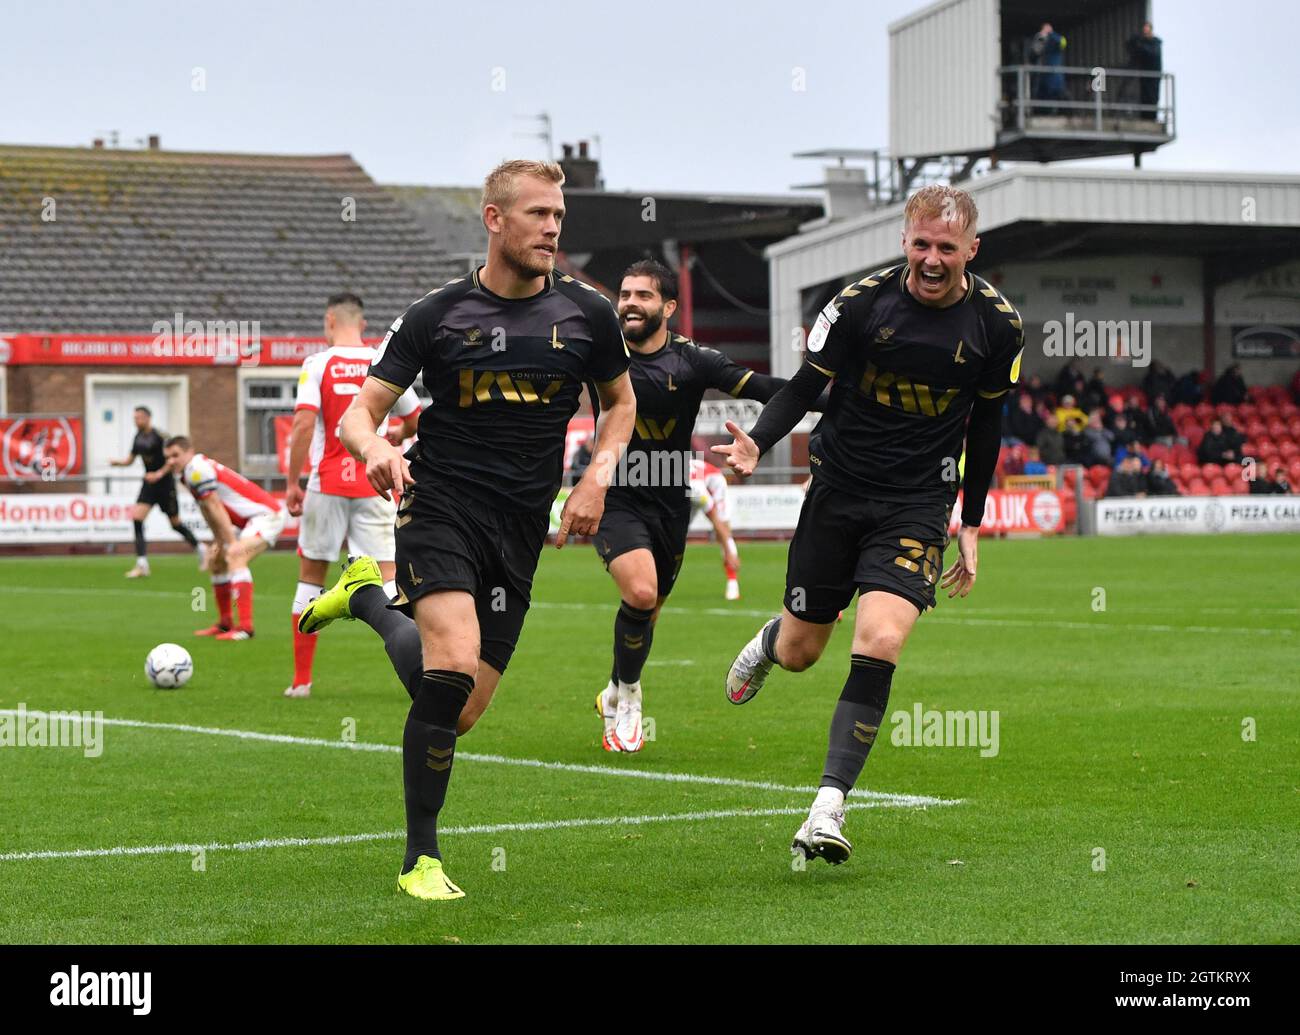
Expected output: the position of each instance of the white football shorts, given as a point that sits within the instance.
(365, 524)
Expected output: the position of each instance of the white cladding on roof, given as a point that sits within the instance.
(943, 83)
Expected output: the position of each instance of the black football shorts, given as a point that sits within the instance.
(448, 540)
(623, 529)
(160, 494)
(845, 544)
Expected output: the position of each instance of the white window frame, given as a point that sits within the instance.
(246, 375)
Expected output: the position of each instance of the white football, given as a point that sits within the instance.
(169, 666)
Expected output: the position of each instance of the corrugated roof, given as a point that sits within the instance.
(139, 235)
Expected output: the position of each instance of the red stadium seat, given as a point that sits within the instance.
(1211, 471)
(1287, 450)
(1196, 487)
(1193, 434)
(1248, 411)
(1219, 487)
(1181, 454)
(1294, 428)
(1180, 413)
(1191, 471)
(1293, 473)
(1288, 410)
(1239, 487)
(1276, 429)
(1098, 471)
(1204, 411)
(1265, 449)
(1255, 429)
(1069, 480)
(1232, 472)
(1267, 411)
(1158, 452)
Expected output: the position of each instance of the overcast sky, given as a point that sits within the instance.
(683, 94)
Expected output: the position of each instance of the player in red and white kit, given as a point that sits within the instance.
(245, 520)
(339, 504)
(709, 494)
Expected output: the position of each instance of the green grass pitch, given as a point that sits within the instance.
(1125, 739)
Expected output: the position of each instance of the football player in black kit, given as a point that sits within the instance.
(158, 490)
(504, 353)
(642, 536)
(921, 355)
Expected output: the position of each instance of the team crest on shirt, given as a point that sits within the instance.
(473, 336)
(885, 333)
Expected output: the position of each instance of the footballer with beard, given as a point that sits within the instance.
(504, 353)
(642, 536)
(921, 355)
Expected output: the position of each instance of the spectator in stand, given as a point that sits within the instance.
(1069, 418)
(1122, 435)
(1035, 387)
(1159, 483)
(1230, 388)
(1069, 381)
(1137, 420)
(1128, 479)
(1160, 423)
(1144, 55)
(1159, 382)
(1187, 389)
(1095, 393)
(1216, 448)
(1022, 424)
(1048, 50)
(1050, 443)
(1272, 483)
(1114, 407)
(1134, 449)
(1094, 445)
(581, 460)
(1231, 435)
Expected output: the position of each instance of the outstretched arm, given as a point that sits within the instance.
(784, 410)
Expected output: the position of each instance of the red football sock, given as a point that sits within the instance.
(304, 651)
(730, 569)
(244, 604)
(221, 590)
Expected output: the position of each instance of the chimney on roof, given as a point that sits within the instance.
(155, 142)
(97, 143)
(580, 170)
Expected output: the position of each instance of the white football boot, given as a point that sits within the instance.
(607, 709)
(748, 672)
(627, 718)
(733, 590)
(301, 690)
(822, 833)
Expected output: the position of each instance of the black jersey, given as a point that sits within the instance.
(670, 384)
(906, 375)
(148, 446)
(505, 376)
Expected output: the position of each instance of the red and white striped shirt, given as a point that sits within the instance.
(328, 383)
(242, 499)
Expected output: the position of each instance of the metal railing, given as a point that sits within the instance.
(1093, 100)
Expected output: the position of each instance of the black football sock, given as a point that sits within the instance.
(401, 637)
(769, 640)
(633, 632)
(428, 747)
(856, 720)
(186, 534)
(139, 538)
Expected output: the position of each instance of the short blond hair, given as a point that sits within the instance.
(940, 201)
(501, 187)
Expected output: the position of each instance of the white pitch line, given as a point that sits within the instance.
(738, 612)
(397, 835)
(903, 800)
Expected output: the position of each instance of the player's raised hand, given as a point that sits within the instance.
(581, 514)
(960, 577)
(386, 469)
(742, 454)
